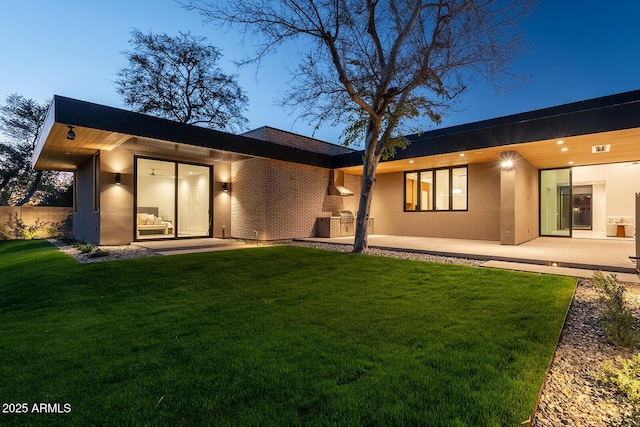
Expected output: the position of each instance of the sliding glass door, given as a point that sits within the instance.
(172, 199)
(555, 202)
(193, 200)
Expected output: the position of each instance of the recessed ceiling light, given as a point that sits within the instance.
(461, 154)
(570, 163)
(560, 142)
(564, 149)
(410, 161)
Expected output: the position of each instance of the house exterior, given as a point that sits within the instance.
(558, 171)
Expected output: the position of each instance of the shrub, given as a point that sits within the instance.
(98, 253)
(15, 228)
(626, 382)
(61, 229)
(616, 318)
(4, 234)
(85, 248)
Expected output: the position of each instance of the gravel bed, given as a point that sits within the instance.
(393, 253)
(571, 395)
(108, 253)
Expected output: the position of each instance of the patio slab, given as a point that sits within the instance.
(610, 255)
(187, 246)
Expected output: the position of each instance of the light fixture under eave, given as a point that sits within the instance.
(507, 164)
(225, 187)
(71, 135)
(118, 178)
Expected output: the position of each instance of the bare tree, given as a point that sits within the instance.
(178, 78)
(376, 66)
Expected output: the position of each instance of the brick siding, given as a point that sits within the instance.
(283, 200)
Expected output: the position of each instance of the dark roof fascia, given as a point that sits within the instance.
(609, 113)
(346, 149)
(86, 114)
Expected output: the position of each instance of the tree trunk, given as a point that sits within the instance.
(32, 189)
(371, 160)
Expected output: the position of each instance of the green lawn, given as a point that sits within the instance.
(272, 336)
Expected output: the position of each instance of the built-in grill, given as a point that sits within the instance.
(347, 223)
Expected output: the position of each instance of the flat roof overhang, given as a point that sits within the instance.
(613, 120)
(534, 135)
(98, 127)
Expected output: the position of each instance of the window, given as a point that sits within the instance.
(96, 181)
(459, 189)
(75, 190)
(437, 189)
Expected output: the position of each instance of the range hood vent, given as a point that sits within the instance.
(336, 184)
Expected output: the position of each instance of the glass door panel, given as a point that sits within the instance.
(581, 205)
(193, 200)
(155, 203)
(555, 202)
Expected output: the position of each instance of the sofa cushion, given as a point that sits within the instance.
(142, 219)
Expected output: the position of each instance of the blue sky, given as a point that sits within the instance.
(579, 50)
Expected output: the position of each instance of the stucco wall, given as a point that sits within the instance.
(113, 224)
(86, 221)
(42, 217)
(283, 200)
(526, 203)
(480, 222)
(519, 201)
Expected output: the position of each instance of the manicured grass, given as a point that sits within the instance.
(272, 336)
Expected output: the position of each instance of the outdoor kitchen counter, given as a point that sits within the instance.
(338, 226)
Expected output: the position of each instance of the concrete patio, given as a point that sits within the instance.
(550, 255)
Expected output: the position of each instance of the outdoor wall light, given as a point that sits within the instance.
(118, 178)
(71, 134)
(507, 164)
(225, 187)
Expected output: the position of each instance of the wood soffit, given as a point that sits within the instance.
(547, 154)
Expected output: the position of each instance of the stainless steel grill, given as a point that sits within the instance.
(347, 223)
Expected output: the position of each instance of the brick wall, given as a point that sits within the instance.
(283, 200)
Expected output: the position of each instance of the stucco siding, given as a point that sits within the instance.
(480, 222)
(86, 221)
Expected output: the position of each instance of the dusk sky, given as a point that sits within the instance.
(579, 49)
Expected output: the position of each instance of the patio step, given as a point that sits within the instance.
(558, 271)
(177, 247)
(198, 249)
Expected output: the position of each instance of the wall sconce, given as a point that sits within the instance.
(225, 187)
(507, 164)
(118, 178)
(71, 134)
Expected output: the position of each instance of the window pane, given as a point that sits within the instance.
(155, 216)
(459, 190)
(442, 189)
(411, 191)
(426, 191)
(193, 200)
(96, 181)
(555, 202)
